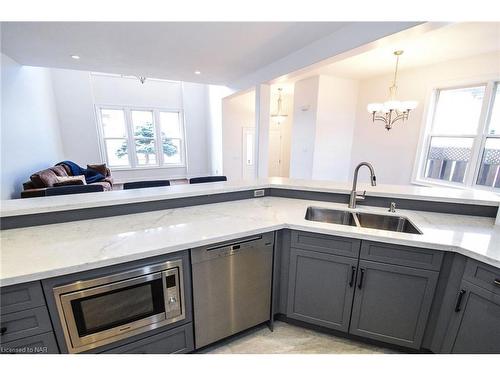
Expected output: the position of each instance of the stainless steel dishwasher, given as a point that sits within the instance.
(231, 287)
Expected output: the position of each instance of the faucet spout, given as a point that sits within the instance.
(373, 180)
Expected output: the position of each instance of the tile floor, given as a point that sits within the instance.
(290, 339)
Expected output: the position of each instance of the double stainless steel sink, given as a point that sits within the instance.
(392, 223)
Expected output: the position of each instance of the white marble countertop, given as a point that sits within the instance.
(40, 252)
(15, 207)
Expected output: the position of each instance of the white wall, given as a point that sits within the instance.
(195, 102)
(75, 108)
(238, 112)
(393, 152)
(285, 127)
(78, 92)
(30, 138)
(305, 100)
(214, 116)
(335, 118)
(324, 113)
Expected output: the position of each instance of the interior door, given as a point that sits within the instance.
(392, 303)
(248, 154)
(275, 153)
(321, 287)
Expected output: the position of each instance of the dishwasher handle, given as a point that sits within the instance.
(206, 253)
(235, 245)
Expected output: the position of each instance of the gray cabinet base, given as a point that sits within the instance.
(174, 341)
(38, 344)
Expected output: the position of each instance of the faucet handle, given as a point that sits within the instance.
(361, 196)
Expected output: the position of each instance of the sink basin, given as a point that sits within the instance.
(362, 219)
(330, 216)
(386, 222)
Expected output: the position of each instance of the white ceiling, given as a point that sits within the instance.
(222, 51)
(451, 42)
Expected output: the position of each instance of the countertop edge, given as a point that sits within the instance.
(207, 241)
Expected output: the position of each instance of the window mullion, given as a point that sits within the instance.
(159, 140)
(479, 141)
(130, 138)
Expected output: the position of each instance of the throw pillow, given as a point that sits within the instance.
(70, 180)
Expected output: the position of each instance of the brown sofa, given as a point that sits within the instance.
(45, 179)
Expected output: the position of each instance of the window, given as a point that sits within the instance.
(462, 142)
(141, 138)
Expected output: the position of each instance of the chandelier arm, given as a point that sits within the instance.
(380, 118)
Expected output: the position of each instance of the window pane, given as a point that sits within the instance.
(113, 123)
(495, 114)
(145, 151)
(117, 150)
(448, 158)
(489, 174)
(172, 151)
(142, 123)
(170, 124)
(458, 110)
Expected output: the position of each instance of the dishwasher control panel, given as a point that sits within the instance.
(205, 253)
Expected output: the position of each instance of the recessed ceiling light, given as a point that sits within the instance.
(76, 57)
(197, 72)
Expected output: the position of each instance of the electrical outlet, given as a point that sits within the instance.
(258, 193)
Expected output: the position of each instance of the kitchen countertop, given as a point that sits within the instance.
(16, 207)
(35, 253)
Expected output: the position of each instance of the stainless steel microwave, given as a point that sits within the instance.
(107, 309)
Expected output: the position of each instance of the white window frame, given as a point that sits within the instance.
(479, 139)
(133, 165)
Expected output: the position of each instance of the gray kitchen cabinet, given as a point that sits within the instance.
(321, 288)
(475, 326)
(174, 341)
(392, 303)
(25, 323)
(21, 297)
(44, 343)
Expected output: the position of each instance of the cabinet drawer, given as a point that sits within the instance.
(21, 297)
(177, 340)
(44, 343)
(483, 275)
(24, 324)
(402, 255)
(326, 243)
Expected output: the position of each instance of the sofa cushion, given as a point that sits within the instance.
(47, 177)
(70, 180)
(101, 168)
(106, 185)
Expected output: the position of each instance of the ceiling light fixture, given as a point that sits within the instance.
(75, 57)
(279, 116)
(392, 110)
(197, 72)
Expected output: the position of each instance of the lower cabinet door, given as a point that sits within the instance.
(475, 327)
(321, 288)
(177, 340)
(392, 303)
(44, 343)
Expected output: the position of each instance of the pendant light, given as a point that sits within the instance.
(392, 110)
(279, 117)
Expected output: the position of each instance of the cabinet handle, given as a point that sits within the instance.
(362, 274)
(496, 282)
(459, 300)
(3, 330)
(353, 274)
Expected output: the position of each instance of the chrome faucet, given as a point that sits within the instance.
(354, 194)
